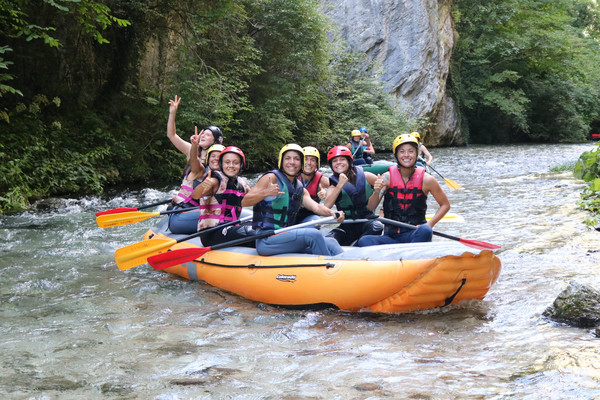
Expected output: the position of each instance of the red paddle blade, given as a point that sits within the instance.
(176, 257)
(478, 244)
(116, 211)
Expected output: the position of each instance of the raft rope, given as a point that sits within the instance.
(326, 265)
(451, 298)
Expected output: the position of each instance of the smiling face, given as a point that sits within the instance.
(292, 163)
(406, 154)
(206, 139)
(213, 160)
(232, 164)
(310, 165)
(340, 165)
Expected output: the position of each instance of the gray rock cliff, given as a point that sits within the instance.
(413, 40)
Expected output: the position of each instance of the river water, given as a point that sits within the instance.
(74, 326)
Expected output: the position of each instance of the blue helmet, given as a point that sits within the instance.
(363, 129)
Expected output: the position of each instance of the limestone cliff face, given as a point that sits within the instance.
(413, 40)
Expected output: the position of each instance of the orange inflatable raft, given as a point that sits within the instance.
(386, 278)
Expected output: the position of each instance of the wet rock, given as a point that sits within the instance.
(202, 381)
(367, 387)
(578, 305)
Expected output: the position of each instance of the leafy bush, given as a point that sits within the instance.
(588, 169)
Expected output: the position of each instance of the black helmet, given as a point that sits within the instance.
(217, 134)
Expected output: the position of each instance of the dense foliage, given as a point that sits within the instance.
(83, 96)
(588, 169)
(84, 84)
(527, 70)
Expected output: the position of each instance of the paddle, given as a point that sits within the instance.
(477, 244)
(447, 218)
(126, 218)
(137, 253)
(176, 257)
(126, 209)
(451, 184)
(359, 146)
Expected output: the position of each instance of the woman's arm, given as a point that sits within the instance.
(177, 141)
(429, 157)
(195, 164)
(265, 187)
(323, 185)
(334, 191)
(379, 188)
(320, 209)
(208, 187)
(370, 149)
(431, 185)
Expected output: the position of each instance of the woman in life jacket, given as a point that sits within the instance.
(424, 157)
(350, 188)
(404, 189)
(221, 194)
(186, 222)
(368, 149)
(313, 181)
(276, 199)
(355, 145)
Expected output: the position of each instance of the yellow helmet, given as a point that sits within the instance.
(214, 147)
(416, 134)
(312, 151)
(288, 147)
(356, 132)
(404, 138)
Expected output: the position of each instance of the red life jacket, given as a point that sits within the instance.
(405, 202)
(313, 186)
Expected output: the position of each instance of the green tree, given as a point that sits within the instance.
(26, 20)
(526, 70)
(93, 108)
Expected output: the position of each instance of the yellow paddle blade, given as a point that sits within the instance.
(138, 253)
(451, 184)
(448, 218)
(125, 218)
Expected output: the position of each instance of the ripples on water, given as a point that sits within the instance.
(74, 326)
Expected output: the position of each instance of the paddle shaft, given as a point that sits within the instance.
(131, 217)
(359, 146)
(434, 170)
(126, 209)
(472, 243)
(137, 253)
(214, 228)
(451, 184)
(175, 257)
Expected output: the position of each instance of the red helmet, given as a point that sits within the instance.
(339, 151)
(235, 150)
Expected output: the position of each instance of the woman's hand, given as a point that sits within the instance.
(342, 180)
(379, 185)
(174, 105)
(322, 194)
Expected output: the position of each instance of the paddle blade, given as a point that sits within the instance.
(451, 184)
(138, 253)
(176, 257)
(448, 218)
(116, 211)
(478, 244)
(125, 218)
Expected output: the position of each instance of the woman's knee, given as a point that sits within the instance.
(424, 233)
